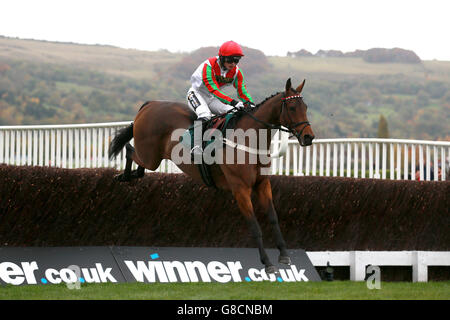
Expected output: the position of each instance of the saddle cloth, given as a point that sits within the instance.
(220, 123)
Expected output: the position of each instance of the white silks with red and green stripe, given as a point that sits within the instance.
(209, 78)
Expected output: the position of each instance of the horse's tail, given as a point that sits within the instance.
(120, 140)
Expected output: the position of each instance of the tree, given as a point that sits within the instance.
(422, 99)
(383, 131)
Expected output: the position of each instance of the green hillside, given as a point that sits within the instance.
(47, 82)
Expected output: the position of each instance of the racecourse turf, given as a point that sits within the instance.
(335, 290)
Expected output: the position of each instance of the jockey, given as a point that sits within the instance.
(205, 96)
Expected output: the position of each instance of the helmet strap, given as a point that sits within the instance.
(222, 63)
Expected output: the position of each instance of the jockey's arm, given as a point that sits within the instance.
(241, 88)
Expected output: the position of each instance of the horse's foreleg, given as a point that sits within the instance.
(243, 199)
(264, 192)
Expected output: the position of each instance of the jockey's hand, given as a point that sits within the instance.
(239, 106)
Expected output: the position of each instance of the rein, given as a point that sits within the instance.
(290, 127)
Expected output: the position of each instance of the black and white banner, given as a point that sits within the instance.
(75, 265)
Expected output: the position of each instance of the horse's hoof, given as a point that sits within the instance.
(271, 269)
(285, 260)
(136, 175)
(122, 178)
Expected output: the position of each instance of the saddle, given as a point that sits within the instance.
(220, 123)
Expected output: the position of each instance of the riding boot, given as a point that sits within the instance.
(197, 150)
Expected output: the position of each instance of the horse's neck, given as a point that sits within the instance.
(268, 112)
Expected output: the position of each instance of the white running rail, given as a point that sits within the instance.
(86, 146)
(359, 260)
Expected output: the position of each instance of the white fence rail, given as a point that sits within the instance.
(86, 146)
(359, 260)
(367, 158)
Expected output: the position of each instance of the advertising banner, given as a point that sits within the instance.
(54, 265)
(75, 265)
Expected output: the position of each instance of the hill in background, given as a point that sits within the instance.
(47, 82)
(375, 55)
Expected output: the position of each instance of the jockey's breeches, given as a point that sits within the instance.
(205, 105)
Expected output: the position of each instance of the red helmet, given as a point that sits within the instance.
(230, 48)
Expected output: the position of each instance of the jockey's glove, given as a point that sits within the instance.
(239, 106)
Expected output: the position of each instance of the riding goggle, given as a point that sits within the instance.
(232, 59)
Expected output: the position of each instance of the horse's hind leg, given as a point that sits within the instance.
(138, 173)
(264, 192)
(127, 174)
(244, 201)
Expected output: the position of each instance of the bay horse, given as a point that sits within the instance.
(156, 120)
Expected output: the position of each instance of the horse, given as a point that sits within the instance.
(152, 132)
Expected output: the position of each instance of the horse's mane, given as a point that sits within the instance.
(254, 109)
(239, 114)
(262, 102)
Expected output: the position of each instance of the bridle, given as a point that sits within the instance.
(291, 127)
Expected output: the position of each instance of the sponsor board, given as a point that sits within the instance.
(36, 265)
(75, 265)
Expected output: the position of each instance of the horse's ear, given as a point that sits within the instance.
(288, 84)
(300, 87)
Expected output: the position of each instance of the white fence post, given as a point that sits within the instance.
(58, 148)
(357, 266)
(435, 166)
(321, 158)
(428, 163)
(405, 165)
(335, 159)
(307, 156)
(88, 147)
(370, 161)
(421, 162)
(328, 159)
(349, 160)
(383, 163)
(2, 137)
(363, 160)
(295, 160)
(30, 148)
(419, 266)
(443, 166)
(413, 162)
(77, 147)
(399, 162)
(301, 173)
(83, 148)
(314, 159)
(64, 149)
(377, 161)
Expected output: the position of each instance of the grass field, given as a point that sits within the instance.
(139, 64)
(336, 290)
(117, 61)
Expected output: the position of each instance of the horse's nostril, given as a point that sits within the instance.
(308, 138)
